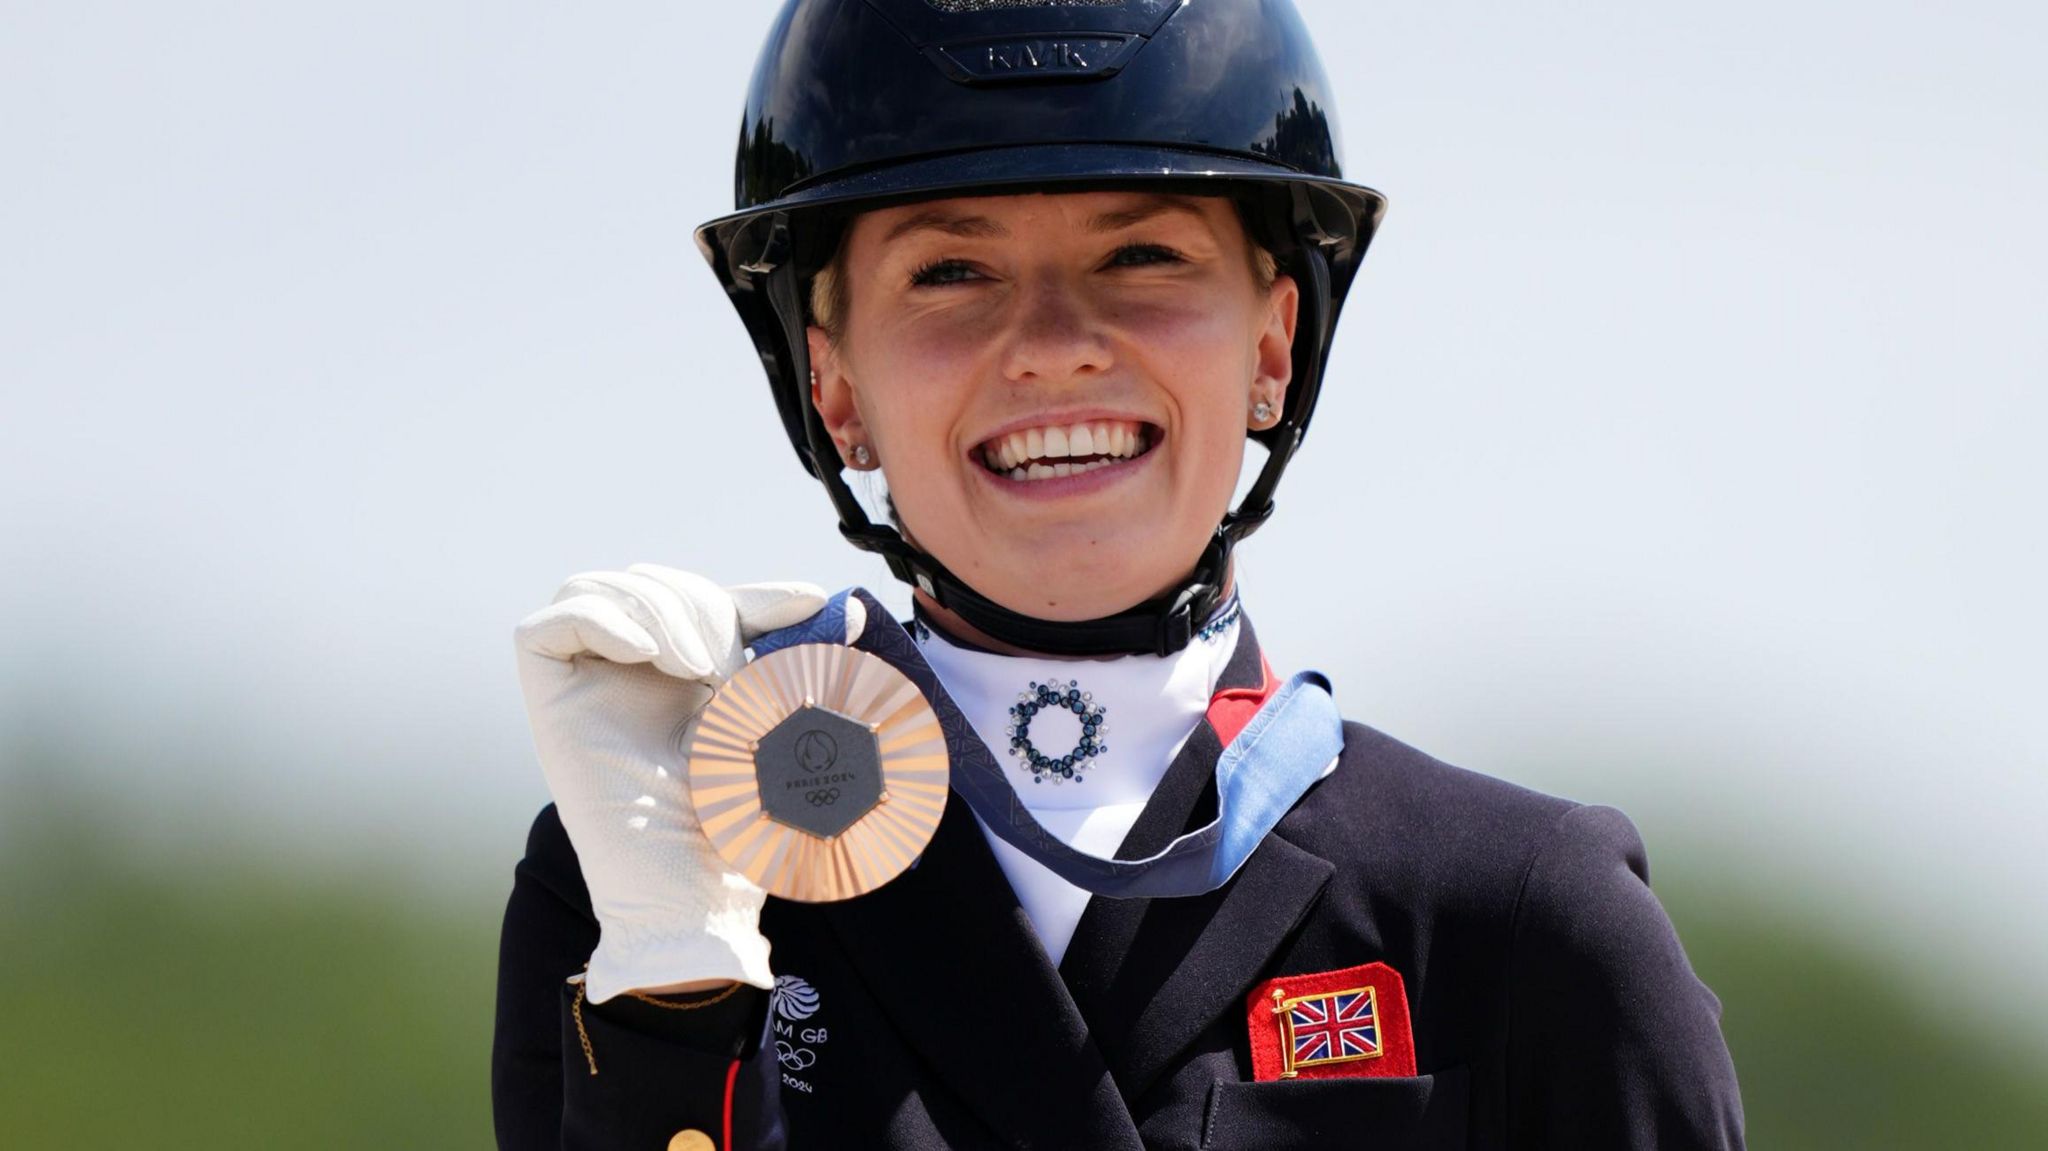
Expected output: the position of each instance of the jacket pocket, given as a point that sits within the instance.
(1419, 1113)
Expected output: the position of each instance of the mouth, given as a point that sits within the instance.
(1057, 451)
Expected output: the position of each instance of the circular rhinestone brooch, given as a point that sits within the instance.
(1055, 697)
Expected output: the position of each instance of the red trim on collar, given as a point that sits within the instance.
(1232, 708)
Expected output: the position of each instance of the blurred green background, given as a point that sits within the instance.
(1680, 450)
(211, 999)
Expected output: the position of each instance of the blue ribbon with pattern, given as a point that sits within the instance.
(1271, 764)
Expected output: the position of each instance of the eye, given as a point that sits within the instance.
(1140, 255)
(941, 272)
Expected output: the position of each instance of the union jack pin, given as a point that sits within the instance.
(1328, 1024)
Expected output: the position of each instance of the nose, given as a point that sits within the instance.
(1054, 335)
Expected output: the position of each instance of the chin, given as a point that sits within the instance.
(1080, 590)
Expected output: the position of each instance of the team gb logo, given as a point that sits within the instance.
(794, 1001)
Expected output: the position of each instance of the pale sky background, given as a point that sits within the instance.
(1681, 451)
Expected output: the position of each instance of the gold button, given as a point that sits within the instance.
(691, 1140)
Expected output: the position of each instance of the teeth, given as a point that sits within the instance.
(1050, 452)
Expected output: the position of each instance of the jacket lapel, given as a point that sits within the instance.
(1150, 975)
(952, 957)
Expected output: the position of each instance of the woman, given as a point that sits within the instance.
(1046, 265)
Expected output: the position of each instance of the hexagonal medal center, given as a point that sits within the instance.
(818, 771)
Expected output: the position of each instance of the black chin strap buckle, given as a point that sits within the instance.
(1177, 623)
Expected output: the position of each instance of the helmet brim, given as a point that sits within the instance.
(1037, 168)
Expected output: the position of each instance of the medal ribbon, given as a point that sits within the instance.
(1264, 770)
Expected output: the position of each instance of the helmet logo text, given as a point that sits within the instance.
(1010, 60)
(1056, 54)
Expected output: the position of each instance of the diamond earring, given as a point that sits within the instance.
(1262, 412)
(861, 456)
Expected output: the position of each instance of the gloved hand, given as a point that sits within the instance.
(615, 672)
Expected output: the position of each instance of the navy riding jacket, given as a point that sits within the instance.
(1551, 1005)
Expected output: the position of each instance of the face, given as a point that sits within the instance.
(1056, 387)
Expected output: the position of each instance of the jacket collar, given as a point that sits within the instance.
(1150, 975)
(952, 957)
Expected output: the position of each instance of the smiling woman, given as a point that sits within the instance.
(986, 342)
(1088, 873)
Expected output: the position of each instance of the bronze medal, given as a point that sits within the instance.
(819, 772)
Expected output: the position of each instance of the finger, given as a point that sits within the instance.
(700, 632)
(585, 624)
(719, 619)
(698, 590)
(693, 624)
(766, 607)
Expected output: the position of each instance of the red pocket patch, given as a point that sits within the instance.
(1330, 1025)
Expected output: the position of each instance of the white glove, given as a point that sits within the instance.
(615, 672)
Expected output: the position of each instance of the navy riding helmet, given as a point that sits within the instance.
(860, 103)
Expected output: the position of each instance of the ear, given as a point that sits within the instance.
(1273, 365)
(832, 395)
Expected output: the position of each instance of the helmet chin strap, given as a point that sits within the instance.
(1158, 626)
